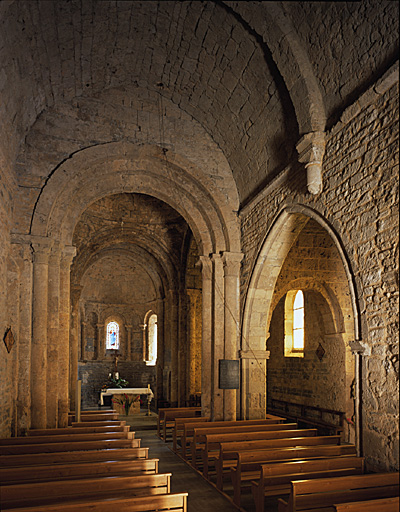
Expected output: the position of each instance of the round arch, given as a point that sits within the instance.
(125, 167)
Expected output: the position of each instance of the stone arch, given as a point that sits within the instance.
(124, 167)
(259, 301)
(277, 243)
(293, 62)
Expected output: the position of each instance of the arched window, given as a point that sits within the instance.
(294, 324)
(151, 340)
(112, 341)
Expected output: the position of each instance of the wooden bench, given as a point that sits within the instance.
(328, 421)
(177, 429)
(166, 418)
(69, 446)
(224, 427)
(212, 443)
(56, 491)
(275, 478)
(75, 430)
(65, 438)
(94, 416)
(71, 457)
(249, 461)
(240, 473)
(379, 505)
(110, 423)
(15, 475)
(162, 502)
(307, 495)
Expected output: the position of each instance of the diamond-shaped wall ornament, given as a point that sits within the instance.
(9, 339)
(320, 352)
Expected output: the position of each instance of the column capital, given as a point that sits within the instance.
(76, 291)
(205, 263)
(67, 255)
(231, 261)
(41, 246)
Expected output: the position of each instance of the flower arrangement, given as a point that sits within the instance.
(126, 402)
(116, 382)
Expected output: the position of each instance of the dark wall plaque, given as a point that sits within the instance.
(228, 374)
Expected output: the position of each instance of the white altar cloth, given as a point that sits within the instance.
(129, 391)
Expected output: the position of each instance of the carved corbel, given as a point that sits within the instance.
(311, 149)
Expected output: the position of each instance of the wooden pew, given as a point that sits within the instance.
(65, 438)
(16, 475)
(109, 423)
(327, 421)
(162, 502)
(177, 429)
(308, 495)
(161, 413)
(224, 427)
(212, 442)
(379, 505)
(275, 478)
(71, 457)
(249, 462)
(69, 446)
(94, 416)
(75, 430)
(169, 417)
(57, 492)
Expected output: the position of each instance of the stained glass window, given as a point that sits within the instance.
(112, 342)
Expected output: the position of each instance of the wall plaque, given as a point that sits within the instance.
(229, 374)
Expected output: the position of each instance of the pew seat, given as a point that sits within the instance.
(17, 475)
(68, 446)
(245, 465)
(61, 491)
(274, 479)
(379, 505)
(160, 503)
(197, 439)
(72, 457)
(325, 493)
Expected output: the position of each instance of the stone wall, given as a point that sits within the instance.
(359, 201)
(9, 302)
(94, 374)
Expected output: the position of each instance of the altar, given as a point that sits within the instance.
(128, 391)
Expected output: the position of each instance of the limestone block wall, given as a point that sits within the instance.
(95, 373)
(360, 202)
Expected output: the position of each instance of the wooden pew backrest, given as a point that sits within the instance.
(307, 494)
(381, 505)
(170, 502)
(25, 474)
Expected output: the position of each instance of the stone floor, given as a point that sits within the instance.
(203, 496)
